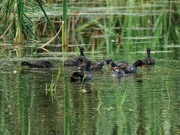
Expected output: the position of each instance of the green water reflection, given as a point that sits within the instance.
(144, 103)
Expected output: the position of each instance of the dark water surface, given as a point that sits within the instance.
(143, 103)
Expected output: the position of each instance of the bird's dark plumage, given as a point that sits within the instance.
(148, 60)
(82, 75)
(38, 64)
(118, 73)
(75, 61)
(132, 68)
(123, 65)
(99, 66)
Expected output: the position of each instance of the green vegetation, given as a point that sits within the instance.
(64, 30)
(40, 102)
(94, 25)
(17, 22)
(52, 89)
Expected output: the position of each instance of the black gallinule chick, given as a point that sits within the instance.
(98, 66)
(82, 75)
(132, 68)
(120, 64)
(71, 62)
(148, 60)
(75, 61)
(38, 64)
(118, 73)
(123, 65)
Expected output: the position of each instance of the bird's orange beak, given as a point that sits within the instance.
(114, 68)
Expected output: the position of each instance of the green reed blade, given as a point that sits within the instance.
(8, 8)
(46, 17)
(64, 28)
(65, 6)
(33, 33)
(5, 14)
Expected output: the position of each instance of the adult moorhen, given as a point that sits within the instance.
(132, 68)
(123, 65)
(37, 64)
(148, 60)
(82, 75)
(98, 66)
(75, 61)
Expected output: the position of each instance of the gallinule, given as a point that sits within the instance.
(98, 66)
(37, 64)
(118, 73)
(132, 68)
(123, 65)
(120, 64)
(148, 60)
(82, 75)
(75, 61)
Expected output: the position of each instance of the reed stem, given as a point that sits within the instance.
(64, 28)
(19, 35)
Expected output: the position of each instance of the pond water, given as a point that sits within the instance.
(45, 102)
(33, 102)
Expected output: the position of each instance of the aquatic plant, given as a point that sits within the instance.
(16, 20)
(52, 88)
(64, 28)
(139, 24)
